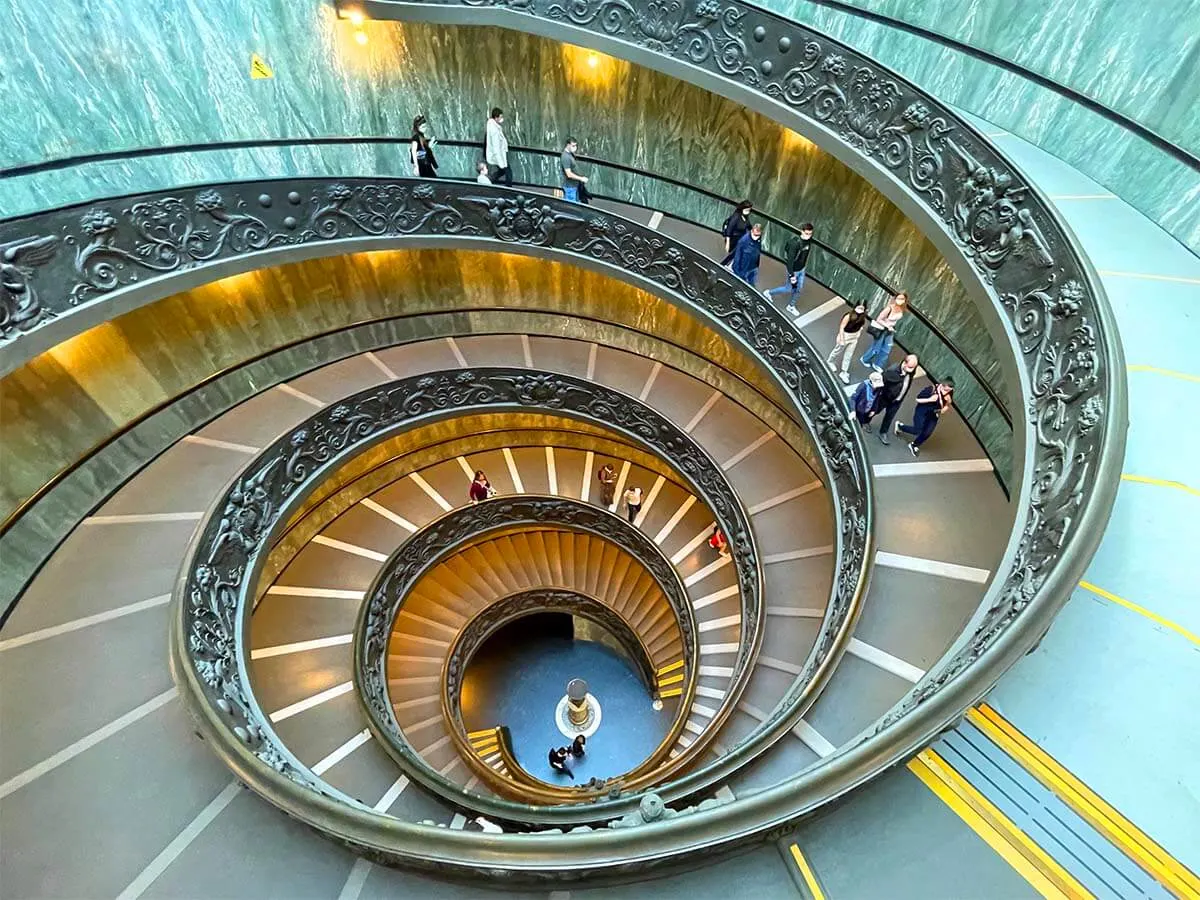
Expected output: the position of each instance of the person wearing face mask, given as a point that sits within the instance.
(896, 382)
(795, 260)
(734, 227)
(849, 330)
(496, 149)
(883, 330)
(424, 163)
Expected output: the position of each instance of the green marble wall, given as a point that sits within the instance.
(113, 76)
(1142, 59)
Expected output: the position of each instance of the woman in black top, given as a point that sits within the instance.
(852, 325)
(735, 226)
(558, 761)
(424, 163)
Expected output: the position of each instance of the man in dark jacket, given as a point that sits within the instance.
(795, 260)
(747, 253)
(897, 380)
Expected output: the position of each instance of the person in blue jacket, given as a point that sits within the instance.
(746, 254)
(864, 399)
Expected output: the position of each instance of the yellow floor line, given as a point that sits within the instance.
(673, 692)
(806, 873)
(1115, 828)
(1141, 611)
(1161, 482)
(1170, 373)
(1045, 875)
(678, 664)
(670, 679)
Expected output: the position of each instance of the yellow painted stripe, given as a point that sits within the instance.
(478, 734)
(678, 664)
(1141, 611)
(481, 746)
(1118, 830)
(806, 873)
(1169, 373)
(1045, 875)
(673, 679)
(673, 692)
(1161, 482)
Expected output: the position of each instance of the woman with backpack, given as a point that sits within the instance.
(424, 163)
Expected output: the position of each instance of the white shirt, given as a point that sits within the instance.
(496, 152)
(633, 497)
(482, 178)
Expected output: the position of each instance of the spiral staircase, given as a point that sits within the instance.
(306, 539)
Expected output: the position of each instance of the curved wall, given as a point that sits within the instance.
(115, 80)
(76, 395)
(1142, 60)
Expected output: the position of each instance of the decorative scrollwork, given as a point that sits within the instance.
(1024, 256)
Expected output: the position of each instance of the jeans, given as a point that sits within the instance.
(571, 194)
(751, 276)
(877, 354)
(924, 421)
(794, 288)
(503, 175)
(847, 350)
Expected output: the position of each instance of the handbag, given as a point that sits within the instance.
(875, 331)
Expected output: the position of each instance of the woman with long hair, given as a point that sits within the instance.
(883, 330)
(481, 488)
(424, 163)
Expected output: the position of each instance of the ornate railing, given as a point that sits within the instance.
(467, 525)
(217, 583)
(1012, 252)
(508, 609)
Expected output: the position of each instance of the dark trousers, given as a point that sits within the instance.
(503, 176)
(633, 511)
(922, 426)
(607, 492)
(562, 770)
(889, 416)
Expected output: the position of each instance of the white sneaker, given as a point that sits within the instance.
(845, 378)
(767, 294)
(792, 311)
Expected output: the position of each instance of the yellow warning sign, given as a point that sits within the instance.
(259, 67)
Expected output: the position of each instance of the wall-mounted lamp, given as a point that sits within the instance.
(593, 60)
(355, 16)
(360, 37)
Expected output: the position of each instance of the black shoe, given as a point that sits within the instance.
(914, 450)
(883, 438)
(866, 427)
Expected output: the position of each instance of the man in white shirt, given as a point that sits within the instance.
(496, 148)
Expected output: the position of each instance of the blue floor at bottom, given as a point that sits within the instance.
(520, 686)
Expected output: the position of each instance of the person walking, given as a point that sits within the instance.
(865, 398)
(795, 260)
(883, 331)
(608, 481)
(574, 185)
(558, 762)
(424, 163)
(481, 173)
(481, 488)
(850, 329)
(734, 227)
(933, 402)
(578, 746)
(747, 254)
(718, 541)
(633, 503)
(896, 382)
(495, 149)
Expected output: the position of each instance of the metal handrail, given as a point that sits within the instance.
(474, 633)
(457, 529)
(338, 141)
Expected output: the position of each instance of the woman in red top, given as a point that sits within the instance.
(481, 488)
